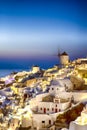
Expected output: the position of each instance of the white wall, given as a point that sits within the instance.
(62, 83)
(50, 105)
(34, 101)
(74, 126)
(64, 59)
(38, 118)
(78, 96)
(35, 69)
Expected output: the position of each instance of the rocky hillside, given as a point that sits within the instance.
(71, 114)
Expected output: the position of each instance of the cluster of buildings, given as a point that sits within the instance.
(34, 100)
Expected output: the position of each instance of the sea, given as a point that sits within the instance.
(5, 72)
(8, 66)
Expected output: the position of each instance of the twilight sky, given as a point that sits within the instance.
(37, 28)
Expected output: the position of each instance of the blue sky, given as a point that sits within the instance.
(37, 28)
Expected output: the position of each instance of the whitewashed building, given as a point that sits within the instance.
(52, 107)
(75, 126)
(60, 85)
(35, 69)
(42, 121)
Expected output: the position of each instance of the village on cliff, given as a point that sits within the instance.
(52, 99)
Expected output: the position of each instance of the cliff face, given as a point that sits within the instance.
(64, 119)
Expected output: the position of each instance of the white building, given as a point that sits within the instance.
(54, 89)
(52, 107)
(75, 126)
(35, 69)
(42, 121)
(60, 85)
(64, 58)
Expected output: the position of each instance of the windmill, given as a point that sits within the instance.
(63, 58)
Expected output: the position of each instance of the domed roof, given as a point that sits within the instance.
(64, 53)
(35, 66)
